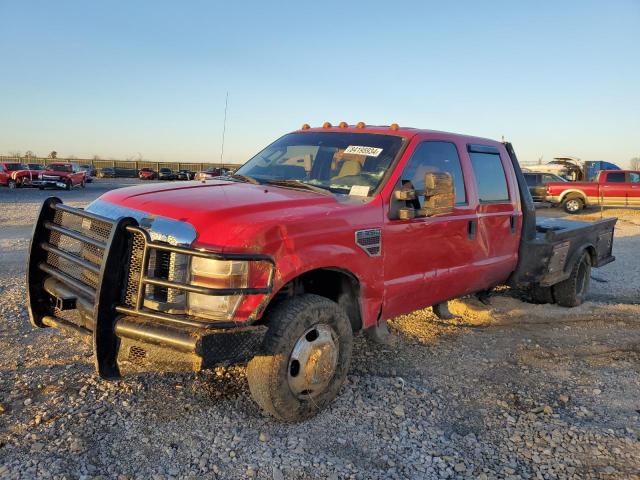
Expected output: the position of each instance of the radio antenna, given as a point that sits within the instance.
(224, 128)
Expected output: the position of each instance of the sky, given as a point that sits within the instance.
(148, 79)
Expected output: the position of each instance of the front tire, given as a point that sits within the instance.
(573, 205)
(572, 291)
(305, 359)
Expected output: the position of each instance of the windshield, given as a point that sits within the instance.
(36, 166)
(59, 167)
(333, 161)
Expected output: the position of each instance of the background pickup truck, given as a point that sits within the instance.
(24, 177)
(6, 170)
(327, 232)
(611, 188)
(60, 175)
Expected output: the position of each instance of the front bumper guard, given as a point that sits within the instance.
(125, 335)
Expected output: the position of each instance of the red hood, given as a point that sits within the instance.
(241, 215)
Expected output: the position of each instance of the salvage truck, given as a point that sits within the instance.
(326, 232)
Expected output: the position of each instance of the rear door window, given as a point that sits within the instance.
(491, 177)
(634, 177)
(615, 177)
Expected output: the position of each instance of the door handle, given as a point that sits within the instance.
(512, 223)
(472, 227)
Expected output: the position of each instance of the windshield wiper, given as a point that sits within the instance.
(242, 178)
(299, 184)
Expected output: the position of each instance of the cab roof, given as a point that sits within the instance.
(393, 129)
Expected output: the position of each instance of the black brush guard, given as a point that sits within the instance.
(88, 274)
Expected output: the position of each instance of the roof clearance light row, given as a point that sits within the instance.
(393, 126)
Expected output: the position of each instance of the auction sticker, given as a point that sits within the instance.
(359, 190)
(368, 151)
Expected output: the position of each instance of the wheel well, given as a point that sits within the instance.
(337, 285)
(591, 251)
(574, 194)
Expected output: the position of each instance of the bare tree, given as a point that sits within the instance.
(15, 154)
(53, 154)
(29, 155)
(635, 163)
(96, 157)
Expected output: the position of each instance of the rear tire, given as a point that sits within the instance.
(541, 294)
(572, 291)
(573, 205)
(315, 330)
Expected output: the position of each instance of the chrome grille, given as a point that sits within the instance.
(135, 266)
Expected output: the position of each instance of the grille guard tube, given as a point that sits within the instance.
(108, 294)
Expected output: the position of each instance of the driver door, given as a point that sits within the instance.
(427, 259)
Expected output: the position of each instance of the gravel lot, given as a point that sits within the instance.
(508, 390)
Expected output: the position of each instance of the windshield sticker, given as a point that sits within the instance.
(359, 190)
(359, 150)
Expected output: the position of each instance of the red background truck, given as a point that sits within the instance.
(6, 169)
(611, 188)
(60, 175)
(326, 232)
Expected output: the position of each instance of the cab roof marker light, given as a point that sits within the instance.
(326, 125)
(343, 125)
(305, 126)
(394, 126)
(360, 125)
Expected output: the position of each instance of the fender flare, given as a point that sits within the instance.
(583, 196)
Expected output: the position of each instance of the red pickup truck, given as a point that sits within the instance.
(326, 232)
(6, 170)
(60, 175)
(611, 188)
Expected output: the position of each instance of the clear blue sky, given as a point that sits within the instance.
(118, 78)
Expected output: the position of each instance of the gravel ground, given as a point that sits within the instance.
(508, 390)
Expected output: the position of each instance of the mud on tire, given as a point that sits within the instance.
(269, 374)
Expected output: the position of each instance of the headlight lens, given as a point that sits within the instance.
(216, 274)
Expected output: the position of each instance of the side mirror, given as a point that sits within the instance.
(439, 194)
(439, 198)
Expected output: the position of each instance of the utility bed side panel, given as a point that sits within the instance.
(550, 257)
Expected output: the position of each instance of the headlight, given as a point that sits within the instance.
(216, 274)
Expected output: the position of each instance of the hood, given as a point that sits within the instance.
(226, 213)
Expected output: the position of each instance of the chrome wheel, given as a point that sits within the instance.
(313, 361)
(574, 205)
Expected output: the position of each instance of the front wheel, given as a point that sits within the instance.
(573, 205)
(305, 358)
